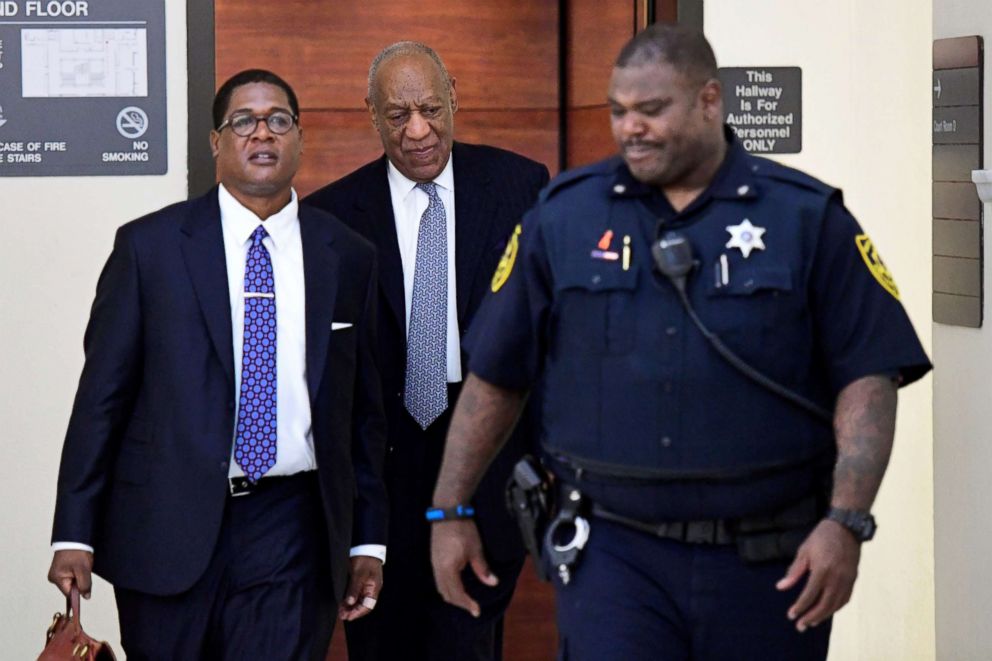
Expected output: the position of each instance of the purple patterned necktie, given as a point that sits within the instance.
(426, 390)
(255, 444)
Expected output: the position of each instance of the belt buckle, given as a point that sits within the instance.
(240, 486)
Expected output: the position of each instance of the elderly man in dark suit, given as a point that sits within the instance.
(439, 213)
(223, 457)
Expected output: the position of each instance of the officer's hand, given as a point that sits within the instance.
(830, 555)
(363, 588)
(72, 566)
(455, 544)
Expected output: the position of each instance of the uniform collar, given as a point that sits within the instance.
(733, 180)
(240, 222)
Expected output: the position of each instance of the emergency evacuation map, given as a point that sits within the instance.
(84, 63)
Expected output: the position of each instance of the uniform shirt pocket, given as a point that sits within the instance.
(757, 313)
(595, 307)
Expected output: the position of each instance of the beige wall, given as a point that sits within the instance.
(962, 423)
(866, 115)
(57, 232)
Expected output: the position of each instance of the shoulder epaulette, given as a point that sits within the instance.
(571, 177)
(764, 167)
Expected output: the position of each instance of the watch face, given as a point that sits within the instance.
(868, 528)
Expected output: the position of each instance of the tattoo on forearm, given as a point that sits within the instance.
(482, 420)
(864, 425)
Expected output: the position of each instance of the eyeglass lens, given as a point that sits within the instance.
(245, 124)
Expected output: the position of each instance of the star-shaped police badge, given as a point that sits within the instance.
(746, 236)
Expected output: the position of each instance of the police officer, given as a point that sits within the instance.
(727, 494)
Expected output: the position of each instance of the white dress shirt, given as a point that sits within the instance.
(294, 449)
(409, 204)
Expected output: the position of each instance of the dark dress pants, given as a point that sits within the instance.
(410, 621)
(635, 597)
(265, 595)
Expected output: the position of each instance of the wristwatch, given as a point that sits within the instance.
(861, 524)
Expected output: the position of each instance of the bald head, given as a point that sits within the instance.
(402, 48)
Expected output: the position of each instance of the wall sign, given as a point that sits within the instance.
(82, 87)
(957, 211)
(764, 107)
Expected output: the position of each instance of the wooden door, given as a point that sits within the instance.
(531, 77)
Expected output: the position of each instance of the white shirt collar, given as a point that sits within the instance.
(445, 180)
(242, 221)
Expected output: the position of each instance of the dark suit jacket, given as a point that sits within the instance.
(493, 189)
(143, 477)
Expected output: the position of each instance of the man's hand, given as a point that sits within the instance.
(72, 566)
(363, 588)
(455, 544)
(830, 555)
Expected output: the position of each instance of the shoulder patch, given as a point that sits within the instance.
(875, 265)
(506, 262)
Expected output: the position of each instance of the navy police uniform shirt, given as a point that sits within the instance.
(637, 403)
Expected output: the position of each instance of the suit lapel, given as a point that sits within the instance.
(377, 208)
(473, 197)
(320, 278)
(203, 252)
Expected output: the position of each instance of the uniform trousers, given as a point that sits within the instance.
(266, 593)
(636, 597)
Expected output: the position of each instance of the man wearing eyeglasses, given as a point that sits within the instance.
(223, 457)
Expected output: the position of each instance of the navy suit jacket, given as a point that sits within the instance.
(143, 477)
(493, 189)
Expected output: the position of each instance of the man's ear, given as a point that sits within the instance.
(372, 116)
(214, 143)
(454, 97)
(711, 100)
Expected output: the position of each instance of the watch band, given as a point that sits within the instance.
(861, 523)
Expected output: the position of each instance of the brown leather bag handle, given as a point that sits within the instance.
(72, 608)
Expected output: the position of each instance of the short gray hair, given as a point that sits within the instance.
(404, 48)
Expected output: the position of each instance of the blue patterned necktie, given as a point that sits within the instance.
(255, 444)
(426, 391)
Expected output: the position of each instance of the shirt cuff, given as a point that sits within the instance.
(377, 551)
(71, 546)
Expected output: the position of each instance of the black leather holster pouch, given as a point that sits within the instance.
(529, 498)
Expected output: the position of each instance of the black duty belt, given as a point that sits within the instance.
(242, 486)
(707, 531)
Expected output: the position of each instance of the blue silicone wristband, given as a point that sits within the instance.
(436, 514)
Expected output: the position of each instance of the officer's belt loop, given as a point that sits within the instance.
(709, 531)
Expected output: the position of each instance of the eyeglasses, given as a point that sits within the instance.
(244, 123)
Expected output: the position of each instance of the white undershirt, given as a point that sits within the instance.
(409, 204)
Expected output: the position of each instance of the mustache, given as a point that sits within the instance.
(627, 144)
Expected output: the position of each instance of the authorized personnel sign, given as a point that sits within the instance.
(82, 88)
(764, 107)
